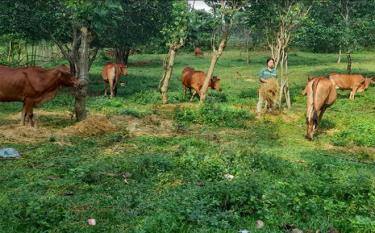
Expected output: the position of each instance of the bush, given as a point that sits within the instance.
(214, 115)
(360, 132)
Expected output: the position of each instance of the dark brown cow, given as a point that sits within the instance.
(321, 93)
(353, 82)
(192, 79)
(32, 86)
(111, 74)
(198, 52)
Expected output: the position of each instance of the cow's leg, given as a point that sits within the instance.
(111, 87)
(321, 113)
(29, 104)
(352, 93)
(184, 90)
(23, 115)
(192, 95)
(105, 88)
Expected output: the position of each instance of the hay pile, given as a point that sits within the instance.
(24, 134)
(93, 125)
(270, 92)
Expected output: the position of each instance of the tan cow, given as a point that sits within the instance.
(354, 82)
(192, 79)
(321, 93)
(111, 74)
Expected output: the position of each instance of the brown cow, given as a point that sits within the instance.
(366, 84)
(353, 82)
(192, 79)
(198, 52)
(111, 74)
(32, 86)
(321, 93)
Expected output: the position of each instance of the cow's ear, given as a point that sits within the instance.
(309, 78)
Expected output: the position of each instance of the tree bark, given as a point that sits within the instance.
(81, 92)
(349, 66)
(122, 55)
(168, 69)
(247, 51)
(339, 57)
(215, 57)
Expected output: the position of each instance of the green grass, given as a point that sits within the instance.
(175, 182)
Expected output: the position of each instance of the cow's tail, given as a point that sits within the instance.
(315, 116)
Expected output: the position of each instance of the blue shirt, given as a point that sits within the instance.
(265, 73)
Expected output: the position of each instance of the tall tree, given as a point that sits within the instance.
(279, 20)
(224, 11)
(70, 24)
(134, 23)
(175, 32)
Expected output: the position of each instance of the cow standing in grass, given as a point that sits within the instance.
(321, 93)
(33, 86)
(193, 79)
(111, 74)
(354, 82)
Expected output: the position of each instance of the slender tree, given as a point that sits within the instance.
(175, 32)
(224, 11)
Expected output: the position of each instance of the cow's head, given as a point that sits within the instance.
(63, 74)
(123, 69)
(215, 83)
(366, 84)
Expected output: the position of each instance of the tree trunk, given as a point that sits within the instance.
(284, 84)
(122, 55)
(10, 51)
(26, 53)
(215, 57)
(81, 93)
(168, 68)
(247, 52)
(349, 66)
(339, 57)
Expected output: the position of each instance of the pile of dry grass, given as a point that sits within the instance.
(270, 91)
(93, 125)
(24, 134)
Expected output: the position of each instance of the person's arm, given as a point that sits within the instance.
(274, 73)
(261, 76)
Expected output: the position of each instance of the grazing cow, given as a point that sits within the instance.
(198, 52)
(366, 84)
(192, 79)
(321, 93)
(32, 86)
(353, 82)
(111, 74)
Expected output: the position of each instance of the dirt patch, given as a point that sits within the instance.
(358, 150)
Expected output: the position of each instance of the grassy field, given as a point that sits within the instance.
(139, 166)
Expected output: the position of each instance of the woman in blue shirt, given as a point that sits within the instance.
(265, 75)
